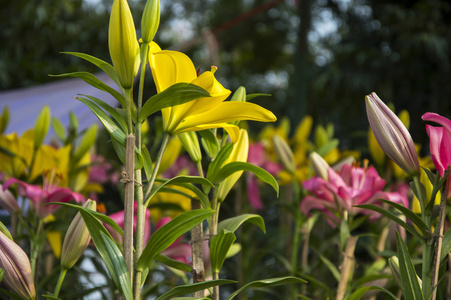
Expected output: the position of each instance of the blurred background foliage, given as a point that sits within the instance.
(317, 57)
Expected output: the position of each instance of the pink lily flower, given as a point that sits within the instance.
(440, 143)
(42, 195)
(257, 157)
(341, 192)
(178, 250)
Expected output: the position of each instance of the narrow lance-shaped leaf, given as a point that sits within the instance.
(216, 164)
(169, 233)
(410, 286)
(262, 174)
(191, 288)
(210, 143)
(232, 224)
(268, 283)
(41, 126)
(58, 128)
(95, 82)
(358, 294)
(394, 218)
(219, 247)
(86, 142)
(176, 94)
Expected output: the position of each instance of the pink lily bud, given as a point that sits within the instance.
(392, 135)
(16, 265)
(77, 239)
(7, 201)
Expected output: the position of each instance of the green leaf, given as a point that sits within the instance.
(104, 218)
(41, 126)
(95, 82)
(393, 217)
(121, 153)
(332, 268)
(88, 139)
(106, 67)
(173, 263)
(176, 94)
(216, 164)
(2, 273)
(232, 224)
(344, 234)
(4, 119)
(252, 96)
(59, 130)
(51, 297)
(109, 252)
(109, 109)
(410, 215)
(5, 231)
(169, 233)
(327, 147)
(446, 244)
(219, 247)
(73, 121)
(409, 280)
(358, 294)
(178, 180)
(268, 283)
(236, 166)
(116, 133)
(119, 266)
(194, 287)
(148, 167)
(200, 195)
(210, 143)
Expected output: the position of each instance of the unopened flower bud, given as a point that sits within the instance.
(393, 262)
(122, 42)
(191, 144)
(77, 239)
(392, 135)
(319, 165)
(7, 201)
(150, 20)
(16, 266)
(284, 153)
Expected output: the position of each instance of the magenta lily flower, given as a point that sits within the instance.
(440, 143)
(42, 195)
(353, 186)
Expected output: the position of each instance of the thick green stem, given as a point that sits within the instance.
(213, 231)
(60, 282)
(129, 187)
(141, 210)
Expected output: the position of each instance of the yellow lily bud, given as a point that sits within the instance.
(150, 20)
(77, 239)
(191, 144)
(239, 153)
(123, 44)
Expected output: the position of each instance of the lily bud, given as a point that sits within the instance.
(284, 153)
(16, 265)
(7, 201)
(392, 135)
(77, 239)
(150, 20)
(393, 262)
(191, 144)
(122, 42)
(319, 165)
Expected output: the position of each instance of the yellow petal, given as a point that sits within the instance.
(170, 155)
(227, 112)
(170, 67)
(303, 130)
(54, 238)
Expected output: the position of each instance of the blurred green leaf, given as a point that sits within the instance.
(268, 283)
(232, 224)
(219, 247)
(194, 287)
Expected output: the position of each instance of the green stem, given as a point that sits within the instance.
(60, 282)
(296, 233)
(213, 231)
(141, 210)
(35, 248)
(151, 182)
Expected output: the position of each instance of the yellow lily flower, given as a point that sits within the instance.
(171, 67)
(239, 153)
(23, 149)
